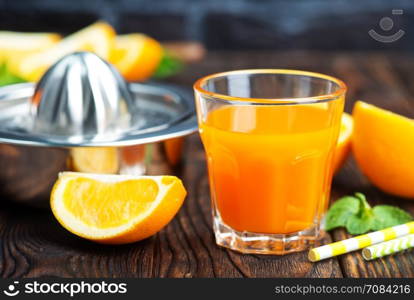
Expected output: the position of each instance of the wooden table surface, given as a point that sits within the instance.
(34, 245)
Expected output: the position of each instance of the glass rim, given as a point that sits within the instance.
(272, 101)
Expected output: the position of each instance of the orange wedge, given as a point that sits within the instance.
(97, 38)
(344, 141)
(383, 145)
(22, 43)
(115, 209)
(136, 56)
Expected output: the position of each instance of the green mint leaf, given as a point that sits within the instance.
(359, 224)
(6, 77)
(365, 207)
(168, 66)
(356, 215)
(362, 221)
(386, 216)
(340, 212)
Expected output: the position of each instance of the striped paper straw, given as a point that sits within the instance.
(360, 242)
(390, 247)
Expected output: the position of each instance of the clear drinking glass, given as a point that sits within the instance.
(269, 137)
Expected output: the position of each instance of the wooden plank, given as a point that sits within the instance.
(33, 244)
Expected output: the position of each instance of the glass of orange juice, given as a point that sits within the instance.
(269, 137)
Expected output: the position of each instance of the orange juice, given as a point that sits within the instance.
(270, 166)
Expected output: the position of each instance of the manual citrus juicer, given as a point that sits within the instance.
(83, 116)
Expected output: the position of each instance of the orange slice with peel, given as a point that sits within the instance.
(97, 38)
(383, 146)
(343, 146)
(20, 44)
(115, 209)
(136, 56)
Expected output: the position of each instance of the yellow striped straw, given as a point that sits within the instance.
(359, 242)
(390, 247)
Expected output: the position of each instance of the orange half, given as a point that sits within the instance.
(136, 56)
(383, 145)
(97, 38)
(21, 44)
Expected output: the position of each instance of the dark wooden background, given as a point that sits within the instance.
(33, 244)
(224, 25)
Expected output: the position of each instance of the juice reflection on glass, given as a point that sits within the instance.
(269, 157)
